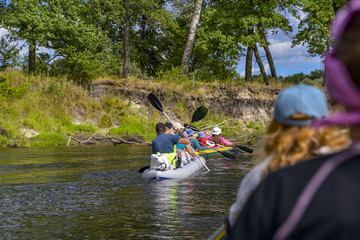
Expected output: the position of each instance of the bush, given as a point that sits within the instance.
(176, 74)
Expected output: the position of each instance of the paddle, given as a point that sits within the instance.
(225, 154)
(235, 151)
(199, 114)
(244, 148)
(157, 104)
(200, 159)
(141, 170)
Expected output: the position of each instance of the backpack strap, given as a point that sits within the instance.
(310, 190)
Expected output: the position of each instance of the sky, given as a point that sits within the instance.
(287, 60)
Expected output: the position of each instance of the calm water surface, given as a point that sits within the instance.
(95, 192)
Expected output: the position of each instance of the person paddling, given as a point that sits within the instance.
(194, 143)
(319, 198)
(216, 139)
(201, 138)
(164, 143)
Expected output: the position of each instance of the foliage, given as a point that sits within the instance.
(314, 27)
(9, 54)
(175, 74)
(295, 79)
(49, 139)
(56, 108)
(84, 39)
(316, 74)
(6, 90)
(314, 78)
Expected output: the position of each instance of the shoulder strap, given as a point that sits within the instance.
(310, 189)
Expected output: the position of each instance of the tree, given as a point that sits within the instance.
(23, 20)
(240, 25)
(314, 28)
(261, 66)
(9, 54)
(126, 40)
(191, 36)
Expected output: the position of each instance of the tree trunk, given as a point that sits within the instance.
(32, 56)
(271, 62)
(142, 24)
(126, 43)
(248, 64)
(191, 36)
(261, 66)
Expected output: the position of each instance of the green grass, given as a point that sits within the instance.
(46, 139)
(50, 105)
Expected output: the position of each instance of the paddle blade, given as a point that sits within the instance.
(191, 127)
(155, 102)
(141, 170)
(237, 152)
(199, 114)
(249, 150)
(227, 155)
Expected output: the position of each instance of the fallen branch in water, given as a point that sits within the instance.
(114, 140)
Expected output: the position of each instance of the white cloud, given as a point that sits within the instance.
(288, 60)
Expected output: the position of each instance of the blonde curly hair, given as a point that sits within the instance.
(293, 144)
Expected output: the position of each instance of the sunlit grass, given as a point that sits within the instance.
(57, 108)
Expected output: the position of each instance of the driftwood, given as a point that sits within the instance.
(114, 140)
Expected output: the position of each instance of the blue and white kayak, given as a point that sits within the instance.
(186, 171)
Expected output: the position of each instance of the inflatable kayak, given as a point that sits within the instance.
(211, 153)
(187, 170)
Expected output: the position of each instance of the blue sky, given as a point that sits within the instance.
(287, 60)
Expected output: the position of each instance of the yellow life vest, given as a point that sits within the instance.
(171, 157)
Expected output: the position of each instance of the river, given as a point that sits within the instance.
(95, 192)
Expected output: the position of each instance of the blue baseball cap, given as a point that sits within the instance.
(190, 132)
(301, 98)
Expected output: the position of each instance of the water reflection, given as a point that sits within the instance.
(96, 193)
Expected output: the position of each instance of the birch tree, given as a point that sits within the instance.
(191, 36)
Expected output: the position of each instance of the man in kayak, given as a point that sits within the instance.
(164, 143)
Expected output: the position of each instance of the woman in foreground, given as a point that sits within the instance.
(319, 198)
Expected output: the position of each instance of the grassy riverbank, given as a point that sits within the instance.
(43, 111)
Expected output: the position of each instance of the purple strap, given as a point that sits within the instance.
(309, 191)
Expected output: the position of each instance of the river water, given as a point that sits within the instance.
(95, 192)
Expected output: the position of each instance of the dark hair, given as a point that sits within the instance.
(168, 125)
(160, 127)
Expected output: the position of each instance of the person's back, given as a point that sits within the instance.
(164, 143)
(319, 198)
(332, 213)
(294, 107)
